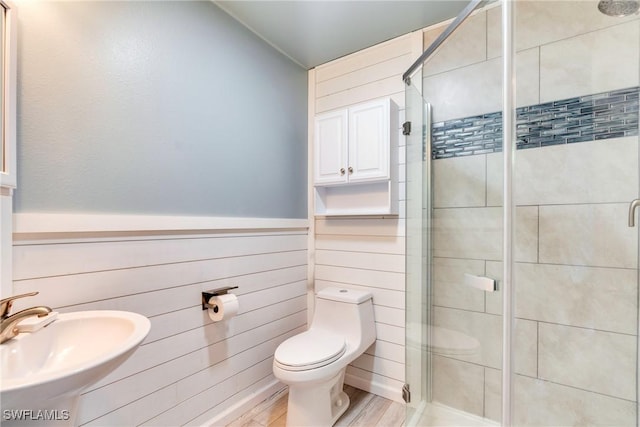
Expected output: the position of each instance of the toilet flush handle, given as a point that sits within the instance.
(632, 212)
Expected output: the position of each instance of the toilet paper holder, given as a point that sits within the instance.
(206, 295)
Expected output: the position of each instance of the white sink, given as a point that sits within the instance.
(47, 369)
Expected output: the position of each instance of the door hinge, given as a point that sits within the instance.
(406, 393)
(406, 128)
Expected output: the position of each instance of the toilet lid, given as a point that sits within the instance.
(309, 350)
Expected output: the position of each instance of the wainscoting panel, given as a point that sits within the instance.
(189, 369)
(367, 253)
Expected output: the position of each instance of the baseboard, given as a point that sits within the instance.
(243, 405)
(374, 387)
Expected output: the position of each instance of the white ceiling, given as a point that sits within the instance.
(312, 32)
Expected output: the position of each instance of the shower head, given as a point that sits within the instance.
(619, 7)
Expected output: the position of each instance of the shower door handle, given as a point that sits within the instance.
(632, 212)
(480, 282)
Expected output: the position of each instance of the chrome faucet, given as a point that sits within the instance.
(9, 325)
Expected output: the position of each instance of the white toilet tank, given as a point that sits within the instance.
(347, 312)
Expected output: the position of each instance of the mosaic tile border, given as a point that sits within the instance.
(585, 118)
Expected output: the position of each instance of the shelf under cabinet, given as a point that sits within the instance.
(371, 198)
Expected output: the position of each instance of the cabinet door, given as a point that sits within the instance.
(330, 154)
(369, 141)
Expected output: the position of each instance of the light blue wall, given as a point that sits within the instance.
(156, 108)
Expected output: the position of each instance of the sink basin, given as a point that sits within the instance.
(47, 369)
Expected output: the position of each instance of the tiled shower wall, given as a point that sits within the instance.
(576, 259)
(580, 119)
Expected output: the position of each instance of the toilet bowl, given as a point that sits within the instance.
(313, 363)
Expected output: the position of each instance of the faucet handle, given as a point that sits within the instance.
(5, 304)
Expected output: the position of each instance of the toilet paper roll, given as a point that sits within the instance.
(224, 307)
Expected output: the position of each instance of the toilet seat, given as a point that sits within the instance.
(310, 350)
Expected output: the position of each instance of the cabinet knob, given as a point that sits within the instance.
(350, 170)
(341, 171)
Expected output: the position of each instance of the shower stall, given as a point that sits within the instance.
(522, 169)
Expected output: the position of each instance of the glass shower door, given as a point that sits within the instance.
(575, 258)
(417, 259)
(575, 175)
(455, 259)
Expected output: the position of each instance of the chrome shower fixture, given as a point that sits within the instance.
(619, 7)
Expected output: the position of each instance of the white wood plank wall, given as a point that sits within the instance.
(368, 252)
(189, 369)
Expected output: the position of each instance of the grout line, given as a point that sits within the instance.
(439, 257)
(485, 293)
(538, 236)
(546, 322)
(538, 349)
(539, 73)
(486, 35)
(484, 392)
(577, 388)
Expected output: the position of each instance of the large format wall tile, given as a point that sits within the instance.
(526, 234)
(477, 89)
(543, 403)
(593, 235)
(459, 182)
(476, 233)
(571, 295)
(568, 68)
(458, 384)
(578, 296)
(467, 45)
(495, 176)
(487, 329)
(493, 301)
(592, 360)
(542, 22)
(589, 172)
(449, 289)
(493, 394)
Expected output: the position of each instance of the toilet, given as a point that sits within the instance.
(314, 362)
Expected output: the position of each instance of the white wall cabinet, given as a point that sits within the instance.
(331, 148)
(355, 160)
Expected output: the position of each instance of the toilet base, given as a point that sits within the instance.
(317, 405)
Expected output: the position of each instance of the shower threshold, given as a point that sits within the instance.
(437, 414)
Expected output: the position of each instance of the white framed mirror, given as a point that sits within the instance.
(8, 31)
(8, 164)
